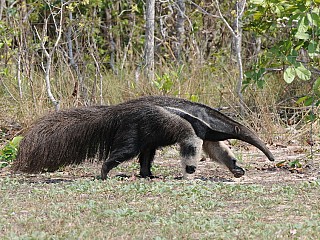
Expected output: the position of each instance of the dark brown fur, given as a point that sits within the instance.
(113, 134)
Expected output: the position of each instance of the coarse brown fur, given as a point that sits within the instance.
(112, 134)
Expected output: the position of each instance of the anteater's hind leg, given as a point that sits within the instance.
(145, 159)
(220, 152)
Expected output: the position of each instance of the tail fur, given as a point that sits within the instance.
(50, 143)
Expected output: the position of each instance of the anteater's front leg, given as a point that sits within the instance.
(117, 156)
(145, 159)
(220, 152)
(190, 151)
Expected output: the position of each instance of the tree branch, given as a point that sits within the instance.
(49, 54)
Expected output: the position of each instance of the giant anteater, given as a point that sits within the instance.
(139, 127)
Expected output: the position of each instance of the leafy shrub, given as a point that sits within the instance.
(9, 152)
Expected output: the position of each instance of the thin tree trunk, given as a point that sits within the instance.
(80, 83)
(2, 6)
(94, 49)
(181, 8)
(49, 55)
(108, 32)
(47, 68)
(149, 40)
(30, 76)
(19, 73)
(22, 67)
(237, 35)
(132, 19)
(238, 46)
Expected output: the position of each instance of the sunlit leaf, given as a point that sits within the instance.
(16, 140)
(316, 87)
(302, 99)
(303, 73)
(302, 35)
(314, 19)
(313, 49)
(289, 74)
(257, 15)
(303, 25)
(194, 98)
(257, 1)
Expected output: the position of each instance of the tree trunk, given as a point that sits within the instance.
(149, 40)
(74, 65)
(236, 32)
(49, 53)
(238, 45)
(2, 6)
(181, 8)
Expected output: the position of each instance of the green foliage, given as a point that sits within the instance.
(295, 164)
(194, 98)
(290, 36)
(255, 76)
(295, 21)
(298, 70)
(108, 40)
(314, 98)
(9, 152)
(164, 83)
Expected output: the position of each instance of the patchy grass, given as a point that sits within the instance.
(267, 203)
(158, 209)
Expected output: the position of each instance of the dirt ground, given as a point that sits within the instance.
(259, 170)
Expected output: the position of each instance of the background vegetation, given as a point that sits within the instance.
(258, 58)
(96, 50)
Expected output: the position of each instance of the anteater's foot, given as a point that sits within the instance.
(237, 172)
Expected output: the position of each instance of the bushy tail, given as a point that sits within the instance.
(64, 138)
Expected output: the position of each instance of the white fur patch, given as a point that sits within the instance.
(191, 160)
